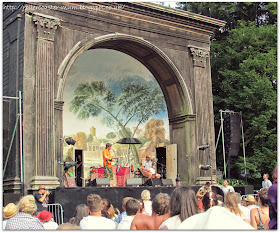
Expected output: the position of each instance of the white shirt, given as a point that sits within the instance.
(171, 223)
(97, 223)
(266, 184)
(227, 189)
(50, 225)
(125, 223)
(147, 164)
(148, 207)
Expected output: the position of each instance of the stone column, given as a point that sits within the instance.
(204, 110)
(45, 169)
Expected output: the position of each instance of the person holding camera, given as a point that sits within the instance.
(42, 199)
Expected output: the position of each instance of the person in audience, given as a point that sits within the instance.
(160, 212)
(9, 211)
(46, 218)
(201, 192)
(245, 210)
(231, 204)
(220, 200)
(24, 219)
(95, 221)
(106, 208)
(80, 212)
(209, 200)
(146, 196)
(272, 201)
(132, 208)
(215, 218)
(250, 202)
(112, 213)
(266, 183)
(68, 226)
(259, 216)
(123, 214)
(183, 204)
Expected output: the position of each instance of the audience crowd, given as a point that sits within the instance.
(183, 210)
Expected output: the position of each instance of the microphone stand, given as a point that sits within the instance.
(161, 168)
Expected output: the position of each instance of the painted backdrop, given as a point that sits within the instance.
(109, 95)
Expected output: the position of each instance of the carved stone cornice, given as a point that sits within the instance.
(182, 118)
(199, 56)
(46, 26)
(58, 105)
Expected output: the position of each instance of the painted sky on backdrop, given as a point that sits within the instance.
(115, 69)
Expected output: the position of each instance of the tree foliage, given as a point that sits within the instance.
(137, 102)
(244, 76)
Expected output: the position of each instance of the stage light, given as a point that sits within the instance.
(203, 147)
(204, 167)
(70, 141)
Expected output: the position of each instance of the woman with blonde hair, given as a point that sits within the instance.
(231, 204)
(146, 200)
(24, 219)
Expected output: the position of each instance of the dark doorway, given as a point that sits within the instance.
(161, 161)
(79, 167)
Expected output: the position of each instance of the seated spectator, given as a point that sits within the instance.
(259, 216)
(215, 218)
(112, 213)
(24, 219)
(68, 226)
(123, 214)
(95, 221)
(209, 200)
(46, 218)
(231, 204)
(272, 202)
(160, 212)
(220, 200)
(183, 204)
(106, 208)
(80, 212)
(132, 208)
(250, 202)
(245, 210)
(146, 196)
(9, 211)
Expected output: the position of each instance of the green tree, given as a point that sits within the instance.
(244, 76)
(111, 135)
(136, 103)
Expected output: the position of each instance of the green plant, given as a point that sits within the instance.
(232, 182)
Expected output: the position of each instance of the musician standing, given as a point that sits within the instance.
(107, 161)
(149, 169)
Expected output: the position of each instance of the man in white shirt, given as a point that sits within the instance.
(149, 169)
(95, 221)
(132, 208)
(266, 183)
(226, 187)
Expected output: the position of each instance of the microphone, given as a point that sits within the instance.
(203, 147)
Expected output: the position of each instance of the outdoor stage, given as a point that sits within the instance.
(69, 198)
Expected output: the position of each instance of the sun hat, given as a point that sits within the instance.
(250, 198)
(10, 210)
(44, 216)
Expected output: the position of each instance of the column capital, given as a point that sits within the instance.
(46, 25)
(199, 56)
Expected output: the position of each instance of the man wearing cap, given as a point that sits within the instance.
(42, 198)
(46, 218)
(9, 211)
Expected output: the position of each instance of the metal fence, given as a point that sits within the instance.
(57, 211)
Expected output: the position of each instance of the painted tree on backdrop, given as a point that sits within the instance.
(135, 103)
(244, 74)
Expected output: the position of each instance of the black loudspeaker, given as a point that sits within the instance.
(101, 182)
(167, 182)
(153, 182)
(134, 182)
(244, 190)
(232, 133)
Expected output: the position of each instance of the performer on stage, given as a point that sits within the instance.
(107, 160)
(148, 169)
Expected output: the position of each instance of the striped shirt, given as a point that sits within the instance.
(23, 221)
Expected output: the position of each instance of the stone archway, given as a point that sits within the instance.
(174, 88)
